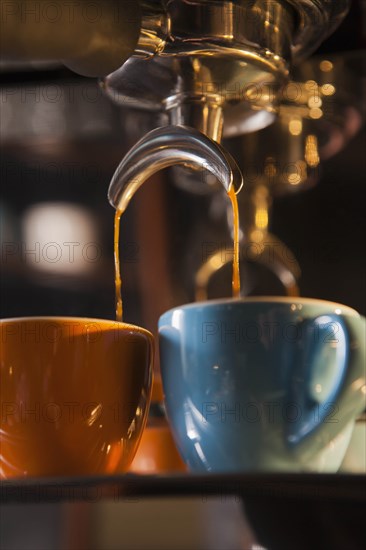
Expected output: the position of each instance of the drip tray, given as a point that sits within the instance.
(276, 511)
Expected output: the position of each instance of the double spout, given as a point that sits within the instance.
(168, 146)
(210, 69)
(218, 72)
(187, 147)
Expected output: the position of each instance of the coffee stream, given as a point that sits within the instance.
(117, 271)
(236, 273)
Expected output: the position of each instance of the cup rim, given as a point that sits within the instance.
(265, 299)
(121, 325)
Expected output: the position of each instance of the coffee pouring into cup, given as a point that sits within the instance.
(252, 384)
(189, 74)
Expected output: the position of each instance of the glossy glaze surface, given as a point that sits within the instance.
(261, 384)
(74, 395)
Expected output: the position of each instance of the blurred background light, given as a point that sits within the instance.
(60, 237)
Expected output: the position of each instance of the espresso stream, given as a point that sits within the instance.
(236, 273)
(117, 269)
(48, 447)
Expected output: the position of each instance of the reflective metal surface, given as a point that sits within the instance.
(316, 20)
(320, 111)
(214, 55)
(225, 53)
(257, 245)
(166, 147)
(92, 38)
(190, 513)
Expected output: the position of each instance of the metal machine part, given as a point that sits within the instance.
(220, 70)
(271, 254)
(214, 65)
(204, 63)
(90, 38)
(257, 244)
(165, 147)
(223, 64)
(321, 110)
(209, 68)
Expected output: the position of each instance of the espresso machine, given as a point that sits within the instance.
(223, 77)
(100, 96)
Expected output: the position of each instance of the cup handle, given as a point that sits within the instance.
(330, 359)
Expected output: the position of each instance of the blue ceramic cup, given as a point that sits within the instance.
(263, 384)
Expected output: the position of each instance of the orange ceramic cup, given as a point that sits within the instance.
(74, 393)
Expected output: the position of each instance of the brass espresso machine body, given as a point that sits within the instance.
(222, 68)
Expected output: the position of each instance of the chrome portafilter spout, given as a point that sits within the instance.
(168, 146)
(220, 66)
(177, 56)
